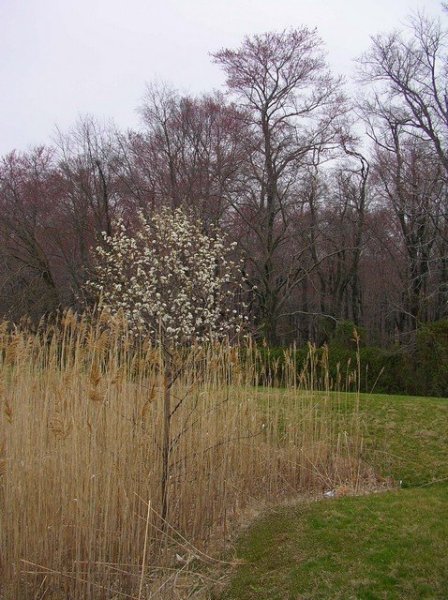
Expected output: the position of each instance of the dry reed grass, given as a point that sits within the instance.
(80, 457)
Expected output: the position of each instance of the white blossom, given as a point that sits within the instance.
(170, 279)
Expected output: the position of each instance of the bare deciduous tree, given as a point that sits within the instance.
(409, 72)
(28, 213)
(192, 149)
(291, 105)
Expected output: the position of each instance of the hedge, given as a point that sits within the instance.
(421, 370)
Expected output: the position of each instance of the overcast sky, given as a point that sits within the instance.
(63, 58)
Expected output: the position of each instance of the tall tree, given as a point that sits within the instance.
(89, 163)
(192, 149)
(28, 214)
(413, 185)
(290, 105)
(409, 73)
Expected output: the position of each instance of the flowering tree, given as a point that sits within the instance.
(170, 279)
(174, 283)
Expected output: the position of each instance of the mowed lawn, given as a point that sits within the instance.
(390, 545)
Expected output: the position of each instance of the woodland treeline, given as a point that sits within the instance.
(338, 202)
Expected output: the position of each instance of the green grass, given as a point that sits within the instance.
(392, 545)
(407, 437)
(383, 546)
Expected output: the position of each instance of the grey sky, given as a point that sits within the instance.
(63, 58)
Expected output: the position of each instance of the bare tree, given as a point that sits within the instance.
(290, 105)
(409, 74)
(192, 148)
(28, 212)
(343, 222)
(336, 204)
(413, 183)
(88, 164)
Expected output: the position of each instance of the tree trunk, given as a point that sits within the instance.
(166, 441)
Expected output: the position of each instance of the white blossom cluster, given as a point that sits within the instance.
(170, 279)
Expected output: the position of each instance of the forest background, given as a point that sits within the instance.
(337, 201)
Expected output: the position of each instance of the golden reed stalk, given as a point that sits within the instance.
(81, 442)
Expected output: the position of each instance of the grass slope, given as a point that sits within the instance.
(407, 437)
(383, 546)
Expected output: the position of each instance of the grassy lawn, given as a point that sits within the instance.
(407, 437)
(382, 546)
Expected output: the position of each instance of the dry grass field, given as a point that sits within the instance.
(81, 458)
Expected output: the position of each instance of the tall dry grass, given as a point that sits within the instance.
(81, 443)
